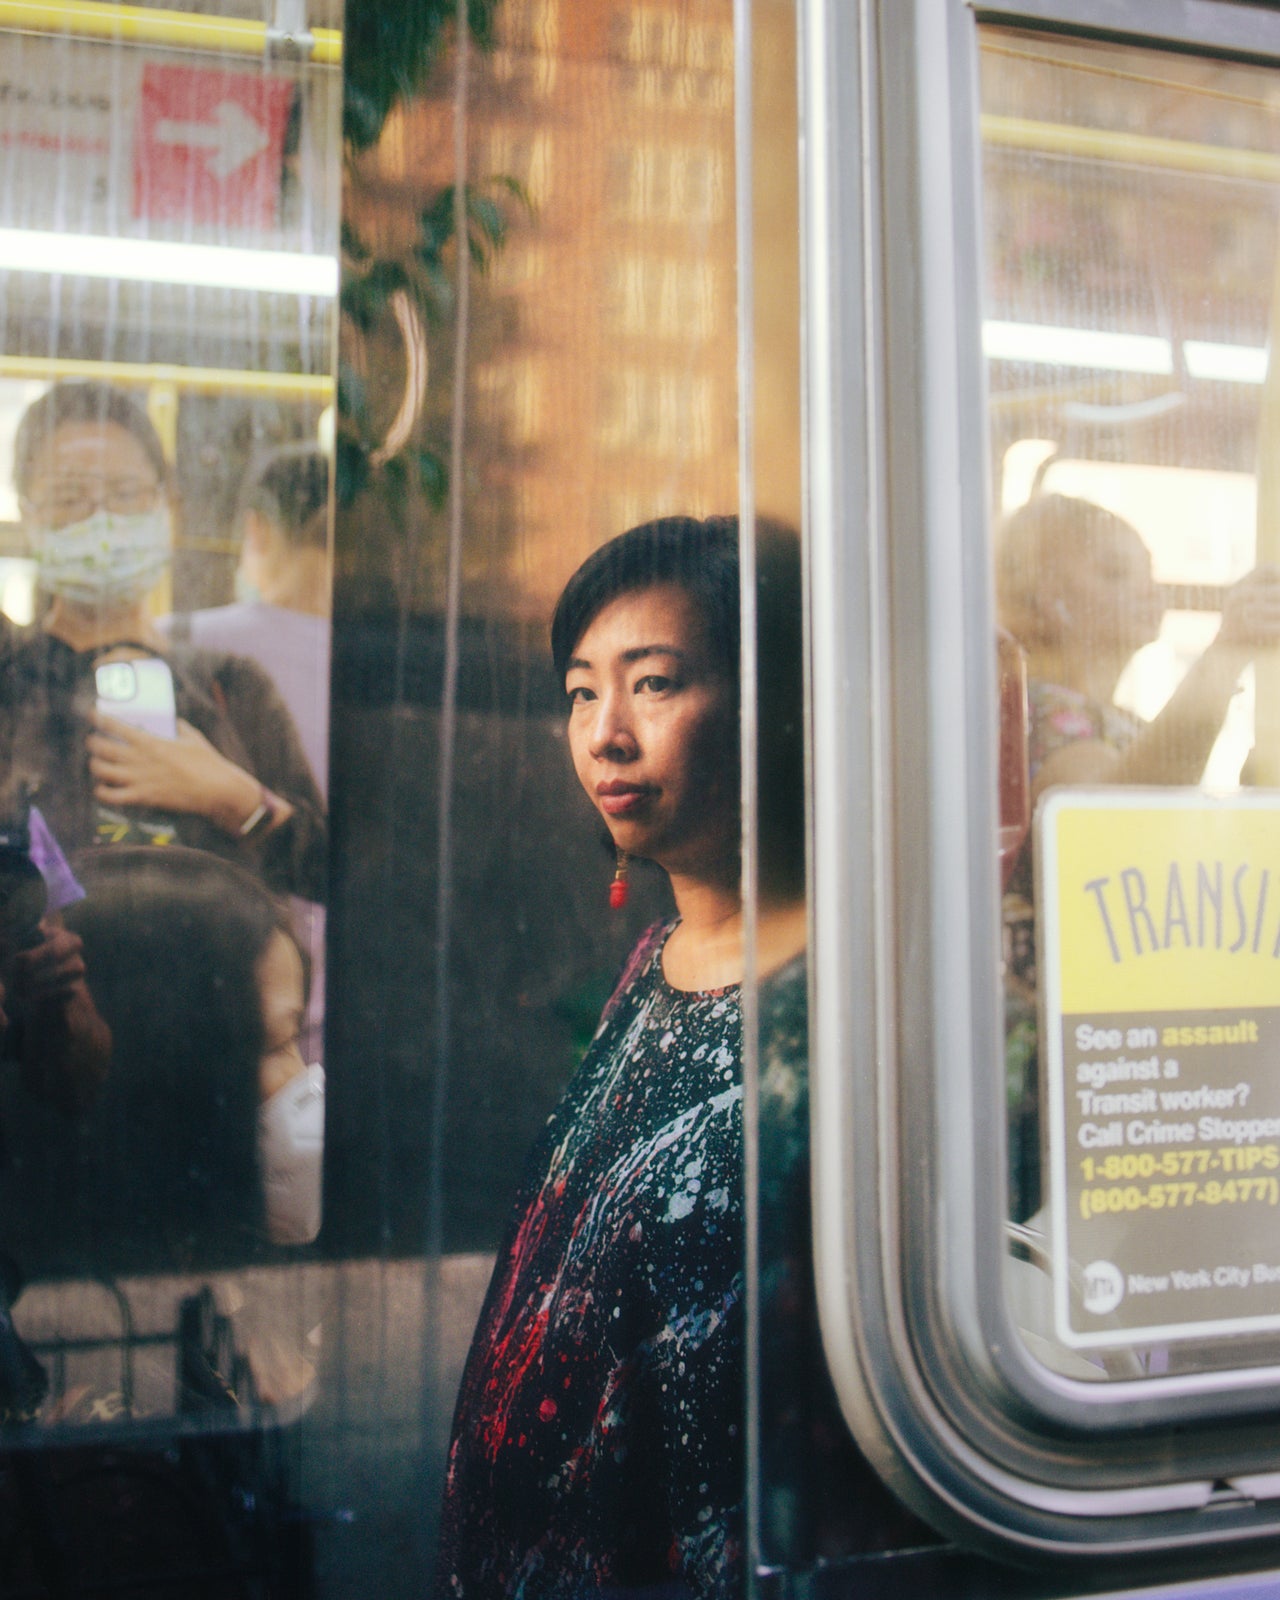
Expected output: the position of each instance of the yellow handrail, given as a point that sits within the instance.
(199, 380)
(178, 30)
(1135, 149)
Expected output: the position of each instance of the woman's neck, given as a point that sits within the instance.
(782, 932)
(301, 584)
(705, 951)
(93, 627)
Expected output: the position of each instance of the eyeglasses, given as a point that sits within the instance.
(73, 499)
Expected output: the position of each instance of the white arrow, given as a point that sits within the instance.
(235, 138)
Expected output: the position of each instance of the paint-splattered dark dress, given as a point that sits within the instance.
(597, 1442)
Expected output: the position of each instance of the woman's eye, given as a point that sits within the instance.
(579, 693)
(653, 683)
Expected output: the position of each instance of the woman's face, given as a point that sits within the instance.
(653, 729)
(1105, 594)
(90, 466)
(281, 990)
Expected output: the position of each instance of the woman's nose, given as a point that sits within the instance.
(612, 736)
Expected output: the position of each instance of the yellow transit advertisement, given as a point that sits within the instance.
(1160, 1016)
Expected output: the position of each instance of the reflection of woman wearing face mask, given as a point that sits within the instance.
(598, 1439)
(91, 479)
(203, 1144)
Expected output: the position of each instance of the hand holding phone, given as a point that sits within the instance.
(140, 693)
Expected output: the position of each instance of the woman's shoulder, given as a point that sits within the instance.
(784, 999)
(33, 660)
(642, 960)
(207, 665)
(241, 689)
(1061, 716)
(1055, 702)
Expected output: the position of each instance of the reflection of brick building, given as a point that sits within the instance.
(603, 375)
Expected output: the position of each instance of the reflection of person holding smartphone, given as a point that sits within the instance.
(49, 1023)
(91, 478)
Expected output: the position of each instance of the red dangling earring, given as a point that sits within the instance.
(618, 888)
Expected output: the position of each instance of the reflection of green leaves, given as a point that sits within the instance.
(491, 224)
(389, 47)
(351, 469)
(423, 273)
(369, 283)
(433, 478)
(364, 295)
(395, 477)
(353, 394)
(435, 224)
(486, 221)
(580, 1009)
(353, 248)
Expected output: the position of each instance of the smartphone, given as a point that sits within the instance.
(139, 693)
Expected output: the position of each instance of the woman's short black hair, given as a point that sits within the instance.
(80, 401)
(172, 941)
(780, 766)
(290, 488)
(703, 559)
(700, 557)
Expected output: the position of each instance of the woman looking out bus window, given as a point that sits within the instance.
(1076, 589)
(227, 774)
(598, 1436)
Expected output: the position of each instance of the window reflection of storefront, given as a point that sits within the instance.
(603, 335)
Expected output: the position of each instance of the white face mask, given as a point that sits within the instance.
(291, 1157)
(107, 556)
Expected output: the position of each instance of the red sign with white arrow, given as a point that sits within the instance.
(210, 146)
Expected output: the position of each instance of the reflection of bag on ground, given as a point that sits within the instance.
(193, 1502)
(198, 1519)
(213, 1376)
(24, 1383)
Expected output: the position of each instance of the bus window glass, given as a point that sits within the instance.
(374, 936)
(1130, 240)
(589, 388)
(169, 225)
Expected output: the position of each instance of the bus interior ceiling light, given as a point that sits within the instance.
(160, 261)
(1122, 352)
(1077, 347)
(1229, 363)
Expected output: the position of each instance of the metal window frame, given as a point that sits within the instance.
(908, 1118)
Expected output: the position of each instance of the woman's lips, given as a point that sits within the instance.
(621, 799)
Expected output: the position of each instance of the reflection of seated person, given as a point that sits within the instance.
(1076, 589)
(49, 1023)
(204, 1143)
(49, 1026)
(91, 479)
(282, 621)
